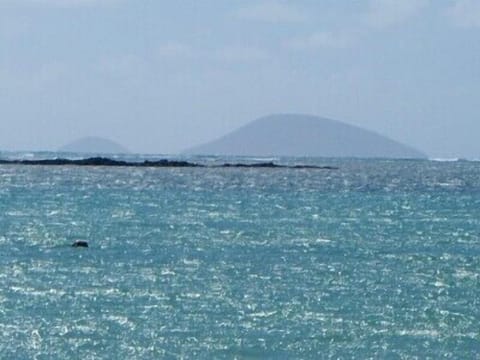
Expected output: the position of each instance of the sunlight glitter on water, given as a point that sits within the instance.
(215, 263)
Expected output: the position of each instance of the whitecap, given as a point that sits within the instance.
(444, 159)
(419, 333)
(263, 314)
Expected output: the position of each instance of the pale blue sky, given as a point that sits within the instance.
(160, 76)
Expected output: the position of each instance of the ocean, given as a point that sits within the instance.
(378, 259)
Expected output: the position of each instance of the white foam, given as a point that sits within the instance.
(444, 159)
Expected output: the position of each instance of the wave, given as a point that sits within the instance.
(444, 159)
(454, 159)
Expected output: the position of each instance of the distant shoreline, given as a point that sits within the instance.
(104, 161)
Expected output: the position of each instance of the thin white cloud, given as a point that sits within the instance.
(50, 73)
(385, 13)
(273, 12)
(318, 40)
(243, 54)
(174, 49)
(129, 67)
(58, 3)
(229, 53)
(465, 13)
(40, 78)
(13, 27)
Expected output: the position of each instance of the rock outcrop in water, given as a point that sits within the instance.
(304, 135)
(102, 161)
(80, 243)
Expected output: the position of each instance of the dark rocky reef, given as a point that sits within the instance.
(103, 161)
(100, 161)
(275, 166)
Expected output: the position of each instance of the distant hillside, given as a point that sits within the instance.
(304, 135)
(94, 145)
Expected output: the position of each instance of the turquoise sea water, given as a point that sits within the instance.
(378, 259)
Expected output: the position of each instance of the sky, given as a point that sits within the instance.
(161, 76)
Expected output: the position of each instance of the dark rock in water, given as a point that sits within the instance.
(271, 165)
(254, 165)
(100, 161)
(80, 243)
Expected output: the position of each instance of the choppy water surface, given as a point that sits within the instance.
(379, 259)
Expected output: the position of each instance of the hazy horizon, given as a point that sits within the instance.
(159, 77)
